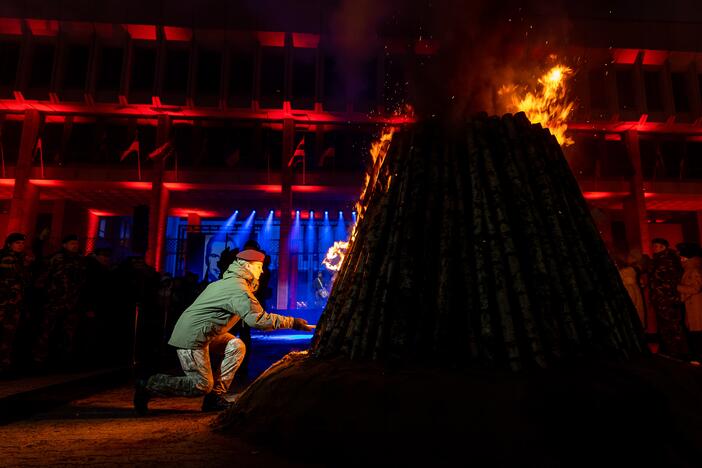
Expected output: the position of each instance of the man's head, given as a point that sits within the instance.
(70, 243)
(659, 245)
(15, 242)
(103, 255)
(252, 261)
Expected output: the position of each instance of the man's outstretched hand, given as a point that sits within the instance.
(301, 324)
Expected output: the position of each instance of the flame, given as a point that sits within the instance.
(335, 256)
(379, 149)
(547, 104)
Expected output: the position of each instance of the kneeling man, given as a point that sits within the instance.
(203, 329)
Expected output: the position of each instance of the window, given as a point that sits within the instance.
(654, 97)
(272, 76)
(241, 75)
(143, 69)
(42, 66)
(304, 78)
(680, 94)
(9, 58)
(209, 65)
(109, 69)
(625, 89)
(175, 80)
(598, 88)
(334, 95)
(76, 66)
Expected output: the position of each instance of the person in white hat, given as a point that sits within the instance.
(203, 330)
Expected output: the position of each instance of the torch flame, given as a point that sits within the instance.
(548, 104)
(335, 256)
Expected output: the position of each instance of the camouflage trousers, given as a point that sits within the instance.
(10, 314)
(670, 329)
(207, 369)
(57, 334)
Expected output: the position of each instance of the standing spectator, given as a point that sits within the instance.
(63, 280)
(690, 289)
(666, 272)
(96, 301)
(14, 279)
(630, 278)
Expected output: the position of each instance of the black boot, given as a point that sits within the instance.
(214, 402)
(141, 397)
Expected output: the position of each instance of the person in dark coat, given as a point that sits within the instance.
(63, 280)
(666, 272)
(14, 279)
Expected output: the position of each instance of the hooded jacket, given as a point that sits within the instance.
(220, 306)
(690, 289)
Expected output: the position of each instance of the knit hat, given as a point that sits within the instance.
(251, 255)
(14, 237)
(69, 238)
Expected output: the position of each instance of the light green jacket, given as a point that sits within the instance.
(219, 307)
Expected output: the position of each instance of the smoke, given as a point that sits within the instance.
(482, 45)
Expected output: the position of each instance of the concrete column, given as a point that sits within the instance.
(158, 208)
(25, 196)
(284, 292)
(635, 204)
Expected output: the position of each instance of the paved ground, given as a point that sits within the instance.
(103, 430)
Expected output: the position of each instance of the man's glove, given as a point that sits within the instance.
(301, 324)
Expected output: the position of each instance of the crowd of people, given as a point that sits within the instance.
(69, 311)
(667, 288)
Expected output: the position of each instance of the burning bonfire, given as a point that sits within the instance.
(546, 104)
(474, 256)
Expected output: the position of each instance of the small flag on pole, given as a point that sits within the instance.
(133, 148)
(299, 154)
(163, 151)
(40, 149)
(327, 154)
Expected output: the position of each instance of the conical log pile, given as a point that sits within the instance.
(477, 247)
(475, 256)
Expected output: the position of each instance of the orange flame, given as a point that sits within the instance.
(335, 256)
(547, 104)
(379, 149)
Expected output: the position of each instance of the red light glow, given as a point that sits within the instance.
(141, 32)
(306, 41)
(42, 27)
(271, 39)
(174, 33)
(11, 26)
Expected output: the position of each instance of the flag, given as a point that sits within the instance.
(163, 151)
(234, 158)
(328, 153)
(134, 147)
(40, 149)
(299, 153)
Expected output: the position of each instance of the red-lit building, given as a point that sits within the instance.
(237, 87)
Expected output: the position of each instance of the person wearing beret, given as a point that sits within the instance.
(203, 330)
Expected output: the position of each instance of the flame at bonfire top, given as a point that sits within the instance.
(547, 104)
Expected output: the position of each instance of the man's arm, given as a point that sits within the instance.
(251, 312)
